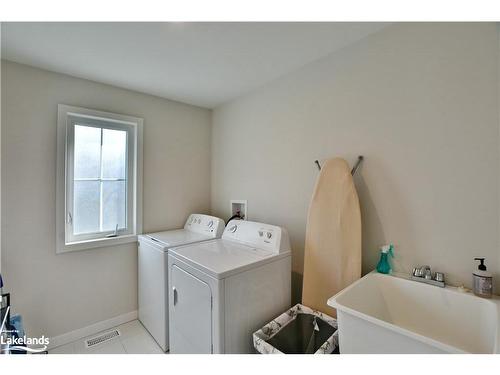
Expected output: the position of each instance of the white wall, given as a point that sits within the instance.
(60, 293)
(419, 101)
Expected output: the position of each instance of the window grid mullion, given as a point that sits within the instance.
(99, 179)
(101, 204)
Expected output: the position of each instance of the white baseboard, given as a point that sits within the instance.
(80, 333)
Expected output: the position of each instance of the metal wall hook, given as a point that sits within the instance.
(353, 170)
(356, 166)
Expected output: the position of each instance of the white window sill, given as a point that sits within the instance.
(93, 244)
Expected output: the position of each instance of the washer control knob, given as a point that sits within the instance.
(269, 235)
(210, 224)
(233, 228)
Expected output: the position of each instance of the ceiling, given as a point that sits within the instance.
(204, 64)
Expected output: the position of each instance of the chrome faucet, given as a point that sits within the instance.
(423, 274)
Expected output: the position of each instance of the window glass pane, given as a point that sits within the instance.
(114, 153)
(86, 207)
(114, 200)
(87, 152)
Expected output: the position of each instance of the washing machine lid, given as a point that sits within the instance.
(222, 258)
(177, 237)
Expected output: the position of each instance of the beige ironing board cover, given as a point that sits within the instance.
(332, 258)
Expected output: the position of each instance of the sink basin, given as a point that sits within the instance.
(390, 314)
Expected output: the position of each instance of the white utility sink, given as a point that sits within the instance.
(389, 314)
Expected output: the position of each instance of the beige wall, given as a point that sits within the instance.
(59, 293)
(419, 101)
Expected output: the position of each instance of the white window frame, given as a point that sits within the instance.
(68, 117)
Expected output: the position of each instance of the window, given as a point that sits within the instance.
(99, 178)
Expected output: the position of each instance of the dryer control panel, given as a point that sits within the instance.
(259, 235)
(205, 224)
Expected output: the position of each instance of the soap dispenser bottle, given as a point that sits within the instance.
(482, 280)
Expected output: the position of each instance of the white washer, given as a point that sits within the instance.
(221, 291)
(152, 270)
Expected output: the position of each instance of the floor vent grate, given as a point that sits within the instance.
(106, 336)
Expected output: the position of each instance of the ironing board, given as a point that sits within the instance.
(332, 258)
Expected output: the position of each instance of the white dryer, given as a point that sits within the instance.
(153, 266)
(221, 291)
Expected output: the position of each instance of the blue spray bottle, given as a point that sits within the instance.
(383, 265)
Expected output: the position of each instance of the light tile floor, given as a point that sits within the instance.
(134, 339)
